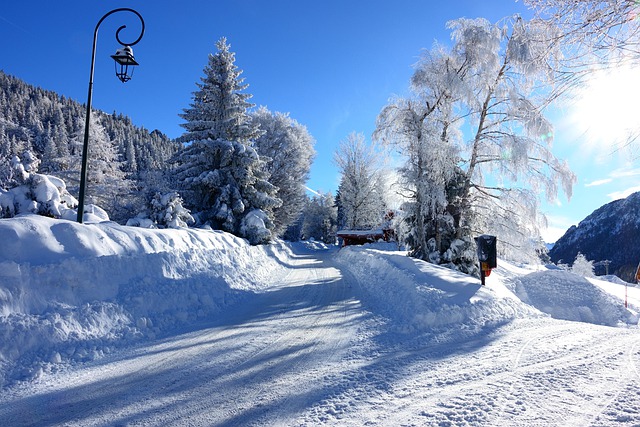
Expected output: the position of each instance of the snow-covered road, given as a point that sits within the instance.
(540, 372)
(265, 363)
(311, 350)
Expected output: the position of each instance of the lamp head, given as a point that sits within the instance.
(124, 63)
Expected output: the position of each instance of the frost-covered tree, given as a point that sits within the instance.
(287, 148)
(361, 191)
(595, 38)
(425, 129)
(107, 184)
(509, 162)
(319, 221)
(221, 176)
(603, 28)
(582, 266)
(477, 108)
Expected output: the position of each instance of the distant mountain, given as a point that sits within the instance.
(612, 232)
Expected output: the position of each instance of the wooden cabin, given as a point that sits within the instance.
(360, 237)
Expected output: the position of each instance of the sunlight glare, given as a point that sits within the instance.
(606, 109)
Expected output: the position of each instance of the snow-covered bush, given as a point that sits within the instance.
(33, 192)
(461, 257)
(141, 221)
(254, 227)
(582, 266)
(165, 211)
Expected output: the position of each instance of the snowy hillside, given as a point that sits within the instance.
(103, 324)
(609, 233)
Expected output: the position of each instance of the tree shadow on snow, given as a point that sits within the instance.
(267, 357)
(188, 374)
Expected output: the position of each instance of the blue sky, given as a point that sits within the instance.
(331, 64)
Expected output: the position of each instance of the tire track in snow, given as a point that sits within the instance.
(549, 376)
(624, 381)
(260, 366)
(331, 354)
(567, 374)
(314, 325)
(513, 369)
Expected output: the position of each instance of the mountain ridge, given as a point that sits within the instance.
(610, 233)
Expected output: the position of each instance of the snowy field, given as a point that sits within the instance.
(106, 325)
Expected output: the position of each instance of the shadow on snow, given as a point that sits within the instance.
(230, 364)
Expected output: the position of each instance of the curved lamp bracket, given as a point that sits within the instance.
(123, 9)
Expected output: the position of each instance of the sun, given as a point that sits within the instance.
(606, 109)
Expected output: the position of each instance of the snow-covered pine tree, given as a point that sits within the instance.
(362, 203)
(287, 148)
(167, 211)
(220, 174)
(6, 171)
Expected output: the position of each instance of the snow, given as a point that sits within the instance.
(103, 324)
(90, 287)
(564, 295)
(425, 296)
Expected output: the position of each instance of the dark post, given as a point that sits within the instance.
(487, 254)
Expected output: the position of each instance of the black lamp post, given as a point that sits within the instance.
(124, 70)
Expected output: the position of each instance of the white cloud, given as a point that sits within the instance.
(599, 182)
(312, 191)
(623, 194)
(622, 173)
(552, 234)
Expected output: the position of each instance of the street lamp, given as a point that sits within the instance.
(125, 63)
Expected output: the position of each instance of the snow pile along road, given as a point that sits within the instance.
(418, 296)
(73, 292)
(567, 296)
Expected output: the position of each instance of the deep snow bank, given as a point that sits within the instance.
(70, 291)
(417, 295)
(565, 295)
